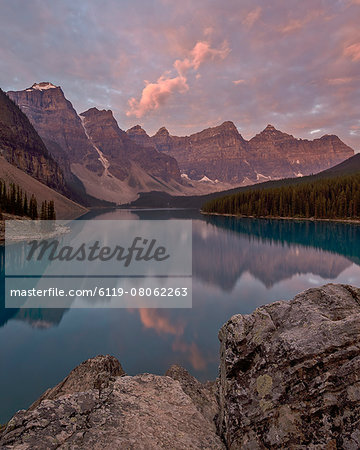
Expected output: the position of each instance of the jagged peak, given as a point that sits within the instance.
(137, 129)
(270, 127)
(228, 124)
(227, 127)
(330, 136)
(271, 131)
(89, 111)
(95, 111)
(162, 132)
(43, 86)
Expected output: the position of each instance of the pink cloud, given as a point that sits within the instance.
(353, 51)
(293, 25)
(203, 52)
(339, 81)
(193, 353)
(298, 24)
(252, 17)
(239, 82)
(160, 322)
(200, 53)
(156, 94)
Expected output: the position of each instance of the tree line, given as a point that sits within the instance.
(14, 200)
(332, 198)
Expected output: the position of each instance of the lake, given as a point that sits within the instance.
(238, 265)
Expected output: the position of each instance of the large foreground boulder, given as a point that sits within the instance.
(290, 373)
(98, 407)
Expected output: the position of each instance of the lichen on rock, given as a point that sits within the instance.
(298, 386)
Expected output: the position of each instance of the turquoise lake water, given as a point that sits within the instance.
(238, 265)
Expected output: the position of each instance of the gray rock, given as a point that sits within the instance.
(204, 395)
(94, 373)
(141, 412)
(290, 373)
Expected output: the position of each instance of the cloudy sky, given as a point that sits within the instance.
(189, 65)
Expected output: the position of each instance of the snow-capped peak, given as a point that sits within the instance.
(43, 86)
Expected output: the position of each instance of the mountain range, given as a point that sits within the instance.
(222, 154)
(99, 160)
(92, 147)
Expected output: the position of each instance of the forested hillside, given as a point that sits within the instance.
(329, 198)
(14, 200)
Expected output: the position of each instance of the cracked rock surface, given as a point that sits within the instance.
(98, 407)
(290, 373)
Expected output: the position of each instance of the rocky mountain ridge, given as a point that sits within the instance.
(221, 153)
(273, 151)
(117, 172)
(55, 119)
(22, 147)
(289, 378)
(121, 152)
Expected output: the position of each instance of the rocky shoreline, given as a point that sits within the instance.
(289, 378)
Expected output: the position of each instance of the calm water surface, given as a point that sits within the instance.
(238, 265)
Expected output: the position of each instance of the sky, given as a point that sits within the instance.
(189, 65)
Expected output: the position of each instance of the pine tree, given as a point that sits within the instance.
(12, 198)
(25, 206)
(33, 208)
(328, 198)
(43, 214)
(51, 210)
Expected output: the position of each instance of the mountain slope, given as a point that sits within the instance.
(281, 155)
(347, 167)
(21, 146)
(218, 153)
(55, 119)
(324, 198)
(162, 200)
(128, 167)
(65, 208)
(104, 132)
